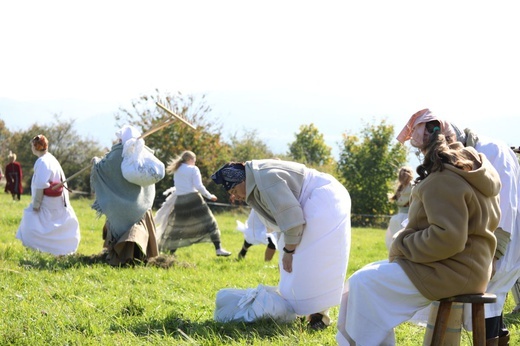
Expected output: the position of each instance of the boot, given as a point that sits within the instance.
(242, 254)
(503, 340)
(492, 341)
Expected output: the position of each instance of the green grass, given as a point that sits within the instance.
(46, 300)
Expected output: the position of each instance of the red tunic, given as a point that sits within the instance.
(13, 176)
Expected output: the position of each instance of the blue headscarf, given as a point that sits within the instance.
(230, 175)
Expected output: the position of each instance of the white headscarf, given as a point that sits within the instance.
(127, 132)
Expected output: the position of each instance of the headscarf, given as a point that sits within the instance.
(127, 132)
(230, 175)
(40, 143)
(416, 126)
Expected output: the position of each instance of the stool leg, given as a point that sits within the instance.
(441, 323)
(478, 323)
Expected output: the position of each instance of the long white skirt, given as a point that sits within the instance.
(53, 229)
(321, 259)
(378, 297)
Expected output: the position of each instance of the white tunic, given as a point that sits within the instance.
(55, 227)
(321, 259)
(508, 267)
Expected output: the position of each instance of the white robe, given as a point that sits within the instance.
(55, 227)
(319, 263)
(255, 232)
(321, 258)
(508, 267)
(377, 298)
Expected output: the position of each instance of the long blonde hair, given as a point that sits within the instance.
(174, 164)
(405, 178)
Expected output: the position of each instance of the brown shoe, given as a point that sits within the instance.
(492, 341)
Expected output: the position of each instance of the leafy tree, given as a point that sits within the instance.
(5, 134)
(368, 167)
(310, 148)
(249, 147)
(206, 141)
(70, 149)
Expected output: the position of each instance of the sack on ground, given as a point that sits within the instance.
(139, 165)
(252, 304)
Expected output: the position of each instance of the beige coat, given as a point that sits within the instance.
(448, 245)
(273, 189)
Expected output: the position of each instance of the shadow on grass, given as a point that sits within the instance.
(42, 261)
(177, 327)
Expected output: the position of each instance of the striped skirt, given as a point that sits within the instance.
(191, 221)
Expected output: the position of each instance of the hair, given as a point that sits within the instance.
(11, 157)
(174, 164)
(437, 154)
(40, 143)
(405, 178)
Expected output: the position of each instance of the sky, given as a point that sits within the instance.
(269, 66)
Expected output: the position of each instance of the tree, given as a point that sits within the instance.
(249, 147)
(368, 167)
(70, 149)
(206, 141)
(5, 134)
(310, 148)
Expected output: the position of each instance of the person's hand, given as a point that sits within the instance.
(287, 262)
(214, 198)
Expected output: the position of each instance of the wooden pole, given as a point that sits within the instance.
(163, 107)
(69, 178)
(154, 129)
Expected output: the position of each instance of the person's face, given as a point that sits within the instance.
(34, 151)
(428, 130)
(239, 191)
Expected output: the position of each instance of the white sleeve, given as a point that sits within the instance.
(197, 183)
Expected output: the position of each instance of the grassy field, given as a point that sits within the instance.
(46, 300)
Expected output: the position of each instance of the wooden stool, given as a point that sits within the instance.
(477, 302)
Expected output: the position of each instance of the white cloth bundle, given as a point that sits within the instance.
(139, 165)
(255, 232)
(252, 304)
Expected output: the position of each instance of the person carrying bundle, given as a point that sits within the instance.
(129, 230)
